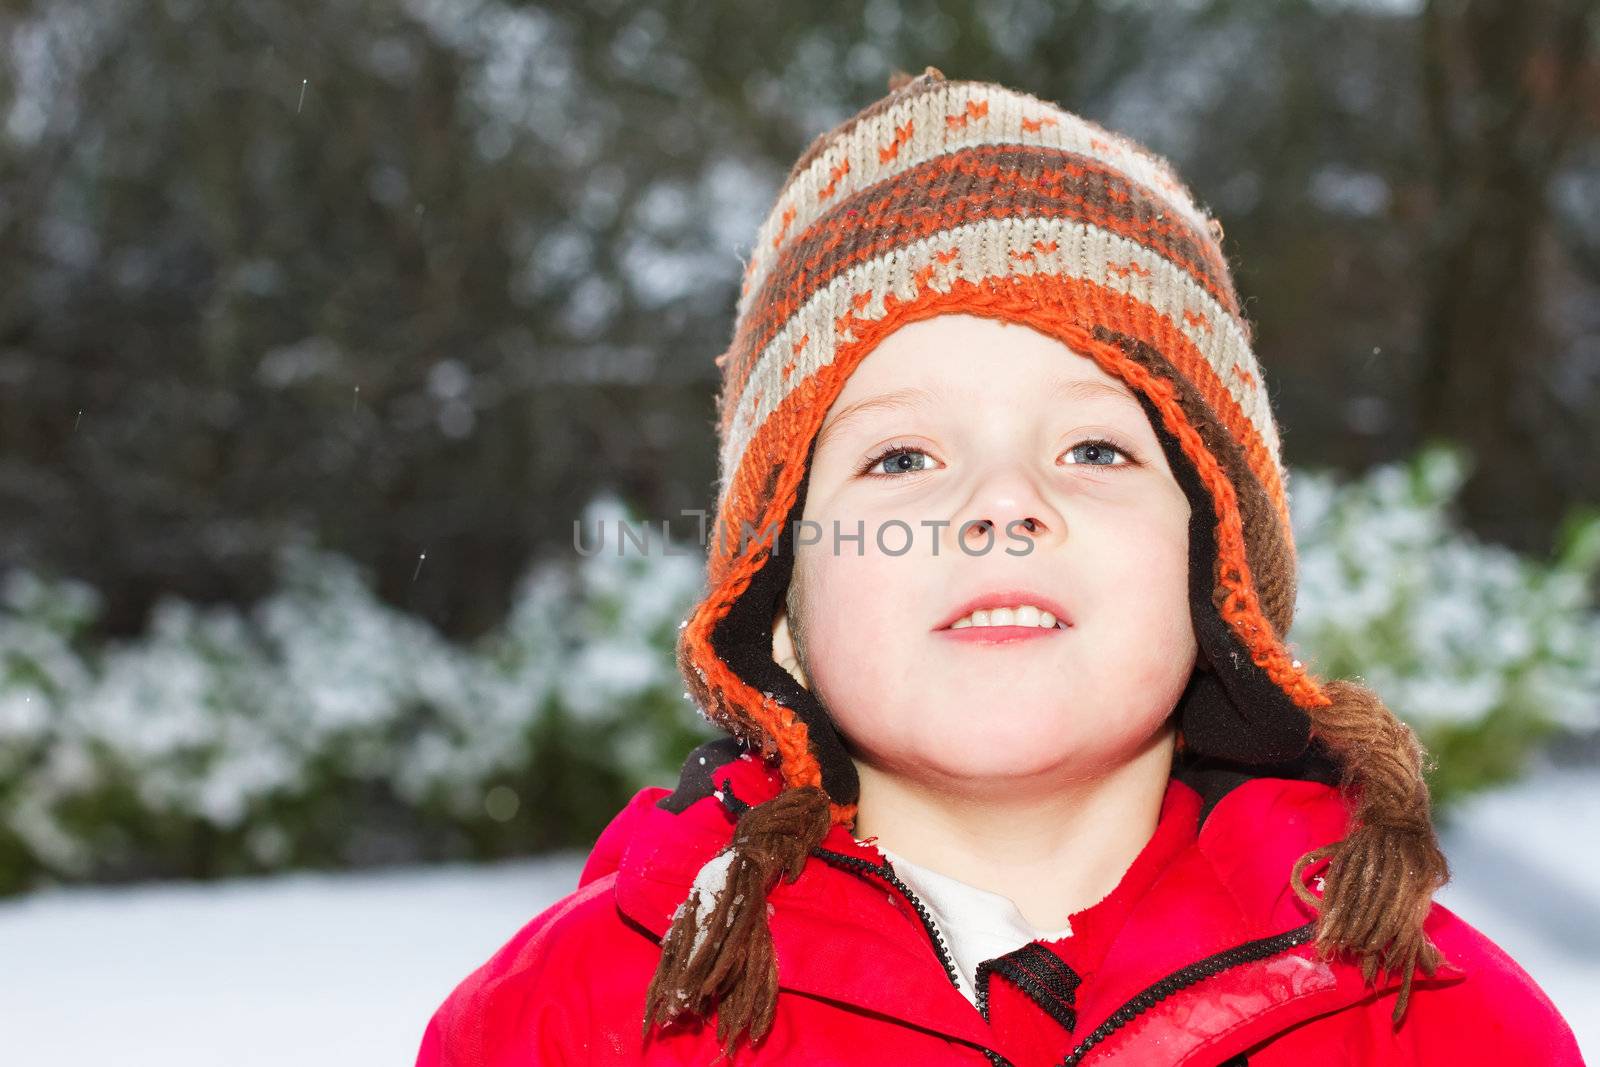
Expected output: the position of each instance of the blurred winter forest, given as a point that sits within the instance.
(322, 324)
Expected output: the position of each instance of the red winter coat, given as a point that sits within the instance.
(1198, 957)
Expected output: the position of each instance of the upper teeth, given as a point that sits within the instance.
(1022, 615)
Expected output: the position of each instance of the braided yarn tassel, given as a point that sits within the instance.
(718, 954)
(1380, 881)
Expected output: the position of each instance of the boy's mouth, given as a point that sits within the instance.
(1010, 610)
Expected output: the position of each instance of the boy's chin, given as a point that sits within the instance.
(985, 745)
(1026, 769)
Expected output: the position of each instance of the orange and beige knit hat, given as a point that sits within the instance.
(958, 196)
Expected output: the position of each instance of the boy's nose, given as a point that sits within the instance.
(985, 528)
(1008, 504)
(1029, 523)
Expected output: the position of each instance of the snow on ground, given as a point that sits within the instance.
(307, 969)
(1526, 871)
(346, 969)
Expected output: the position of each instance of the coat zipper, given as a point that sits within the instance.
(1138, 1004)
(1186, 976)
(857, 865)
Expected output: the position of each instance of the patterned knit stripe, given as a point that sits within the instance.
(938, 118)
(923, 83)
(764, 489)
(992, 181)
(1214, 356)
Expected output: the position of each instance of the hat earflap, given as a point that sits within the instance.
(1236, 725)
(742, 639)
(1231, 710)
(718, 954)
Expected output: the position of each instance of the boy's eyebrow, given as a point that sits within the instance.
(914, 395)
(1092, 389)
(895, 400)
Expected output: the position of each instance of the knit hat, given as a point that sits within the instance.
(967, 197)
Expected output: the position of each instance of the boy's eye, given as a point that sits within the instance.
(1097, 453)
(898, 459)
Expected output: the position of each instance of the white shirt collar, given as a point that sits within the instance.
(976, 924)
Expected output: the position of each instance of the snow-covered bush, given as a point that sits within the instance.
(324, 727)
(1482, 651)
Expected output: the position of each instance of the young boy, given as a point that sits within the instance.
(1022, 771)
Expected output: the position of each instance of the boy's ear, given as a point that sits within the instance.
(783, 650)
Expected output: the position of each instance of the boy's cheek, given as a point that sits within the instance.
(852, 595)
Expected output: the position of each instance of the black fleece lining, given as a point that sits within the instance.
(694, 780)
(1215, 778)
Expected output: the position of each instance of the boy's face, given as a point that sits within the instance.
(1002, 437)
